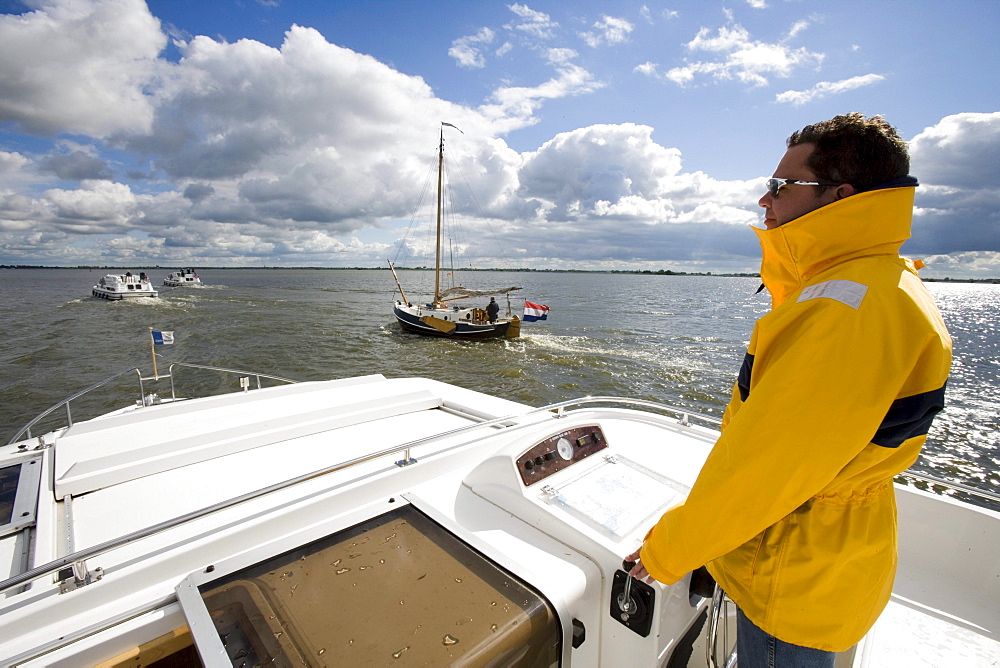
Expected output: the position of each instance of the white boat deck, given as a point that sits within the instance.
(340, 441)
(910, 635)
(945, 608)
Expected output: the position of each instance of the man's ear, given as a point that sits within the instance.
(844, 190)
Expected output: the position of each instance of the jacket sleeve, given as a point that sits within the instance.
(821, 383)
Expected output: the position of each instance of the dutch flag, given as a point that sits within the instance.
(533, 312)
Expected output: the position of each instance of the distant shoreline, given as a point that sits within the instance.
(641, 272)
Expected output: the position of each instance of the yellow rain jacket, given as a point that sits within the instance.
(794, 510)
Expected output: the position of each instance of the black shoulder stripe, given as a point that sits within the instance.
(743, 381)
(909, 417)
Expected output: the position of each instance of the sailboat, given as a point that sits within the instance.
(439, 317)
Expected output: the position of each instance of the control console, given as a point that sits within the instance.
(559, 451)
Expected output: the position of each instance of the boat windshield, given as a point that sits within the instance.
(398, 586)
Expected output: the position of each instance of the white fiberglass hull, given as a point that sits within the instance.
(546, 502)
(181, 278)
(114, 296)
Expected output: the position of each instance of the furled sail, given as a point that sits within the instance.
(466, 292)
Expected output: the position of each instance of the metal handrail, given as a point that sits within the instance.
(508, 422)
(717, 615)
(258, 376)
(957, 486)
(717, 623)
(26, 429)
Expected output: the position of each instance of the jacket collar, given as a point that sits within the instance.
(875, 222)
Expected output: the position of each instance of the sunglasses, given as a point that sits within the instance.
(774, 186)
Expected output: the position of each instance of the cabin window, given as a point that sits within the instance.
(398, 587)
(19, 494)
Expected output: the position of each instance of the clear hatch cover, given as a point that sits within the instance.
(19, 484)
(395, 589)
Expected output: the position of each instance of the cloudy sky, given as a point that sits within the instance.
(633, 134)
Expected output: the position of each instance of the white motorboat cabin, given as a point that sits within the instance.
(182, 277)
(124, 286)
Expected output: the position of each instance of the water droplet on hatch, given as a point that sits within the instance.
(449, 640)
(398, 654)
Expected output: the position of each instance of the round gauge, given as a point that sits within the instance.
(565, 449)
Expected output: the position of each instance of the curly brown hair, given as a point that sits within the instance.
(850, 148)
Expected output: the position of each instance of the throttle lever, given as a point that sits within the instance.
(625, 602)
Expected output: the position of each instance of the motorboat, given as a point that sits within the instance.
(124, 286)
(439, 316)
(404, 521)
(176, 279)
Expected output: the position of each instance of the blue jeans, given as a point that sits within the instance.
(757, 649)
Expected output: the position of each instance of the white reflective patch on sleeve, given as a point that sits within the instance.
(845, 292)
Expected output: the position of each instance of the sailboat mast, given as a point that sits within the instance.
(437, 247)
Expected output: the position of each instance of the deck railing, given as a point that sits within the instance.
(509, 423)
(76, 561)
(242, 374)
(25, 431)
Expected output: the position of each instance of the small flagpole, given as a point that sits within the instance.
(152, 351)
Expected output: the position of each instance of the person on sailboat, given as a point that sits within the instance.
(794, 510)
(493, 310)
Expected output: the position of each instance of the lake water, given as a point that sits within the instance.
(674, 339)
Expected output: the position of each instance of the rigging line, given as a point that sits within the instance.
(451, 220)
(401, 245)
(482, 214)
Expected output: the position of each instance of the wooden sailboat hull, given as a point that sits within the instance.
(450, 323)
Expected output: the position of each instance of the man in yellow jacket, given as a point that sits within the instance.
(794, 511)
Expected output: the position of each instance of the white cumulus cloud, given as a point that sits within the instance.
(81, 67)
(828, 88)
(739, 57)
(609, 30)
(467, 51)
(961, 150)
(533, 23)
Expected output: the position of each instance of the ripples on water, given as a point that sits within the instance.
(678, 340)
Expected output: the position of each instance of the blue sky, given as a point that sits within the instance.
(626, 135)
